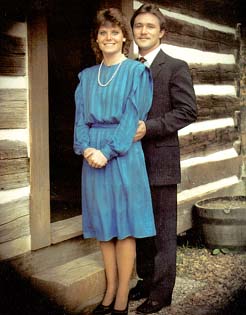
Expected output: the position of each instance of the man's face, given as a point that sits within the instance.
(147, 32)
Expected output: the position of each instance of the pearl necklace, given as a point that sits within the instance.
(114, 74)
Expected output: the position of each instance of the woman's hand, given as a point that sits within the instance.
(88, 152)
(95, 158)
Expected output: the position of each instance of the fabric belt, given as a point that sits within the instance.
(103, 125)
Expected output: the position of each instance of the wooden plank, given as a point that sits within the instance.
(15, 248)
(39, 120)
(14, 181)
(15, 229)
(203, 173)
(12, 55)
(76, 284)
(12, 210)
(51, 256)
(213, 74)
(184, 34)
(12, 45)
(205, 142)
(13, 108)
(216, 106)
(12, 149)
(66, 229)
(221, 12)
(14, 166)
(13, 65)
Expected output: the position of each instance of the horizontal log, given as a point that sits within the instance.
(206, 172)
(221, 12)
(12, 149)
(15, 229)
(13, 65)
(66, 229)
(184, 34)
(14, 166)
(208, 141)
(52, 256)
(12, 55)
(12, 45)
(12, 210)
(213, 74)
(14, 181)
(216, 106)
(15, 248)
(13, 108)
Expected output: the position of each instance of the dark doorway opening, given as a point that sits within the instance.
(69, 51)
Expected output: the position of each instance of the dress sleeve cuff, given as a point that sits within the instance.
(106, 150)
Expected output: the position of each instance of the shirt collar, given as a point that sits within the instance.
(151, 56)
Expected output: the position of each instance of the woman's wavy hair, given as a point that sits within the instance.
(115, 17)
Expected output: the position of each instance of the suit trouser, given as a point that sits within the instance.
(156, 256)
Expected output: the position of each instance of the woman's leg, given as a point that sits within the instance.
(125, 256)
(109, 257)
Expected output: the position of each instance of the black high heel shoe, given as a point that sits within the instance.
(103, 310)
(122, 312)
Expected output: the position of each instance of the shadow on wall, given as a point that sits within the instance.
(238, 306)
(18, 297)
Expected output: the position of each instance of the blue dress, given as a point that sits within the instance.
(116, 199)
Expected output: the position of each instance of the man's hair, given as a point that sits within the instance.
(115, 17)
(153, 9)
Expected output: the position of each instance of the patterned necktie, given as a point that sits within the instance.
(142, 59)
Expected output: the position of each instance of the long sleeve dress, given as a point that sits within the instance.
(116, 199)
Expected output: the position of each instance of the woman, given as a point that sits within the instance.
(110, 100)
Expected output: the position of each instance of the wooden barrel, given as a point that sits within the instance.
(223, 222)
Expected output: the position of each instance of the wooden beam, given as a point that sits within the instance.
(39, 130)
(66, 229)
(13, 108)
(14, 248)
(208, 141)
(15, 229)
(213, 74)
(184, 34)
(12, 149)
(12, 55)
(220, 12)
(13, 209)
(216, 106)
(206, 172)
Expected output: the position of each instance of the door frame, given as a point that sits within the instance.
(43, 232)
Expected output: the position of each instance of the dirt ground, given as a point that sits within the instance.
(206, 284)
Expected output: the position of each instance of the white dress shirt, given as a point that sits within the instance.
(150, 56)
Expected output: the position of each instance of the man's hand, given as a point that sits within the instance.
(141, 131)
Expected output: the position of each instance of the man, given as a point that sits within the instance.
(174, 107)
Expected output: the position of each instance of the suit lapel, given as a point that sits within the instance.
(156, 64)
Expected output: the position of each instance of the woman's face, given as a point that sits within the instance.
(110, 38)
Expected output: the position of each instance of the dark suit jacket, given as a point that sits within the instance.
(173, 107)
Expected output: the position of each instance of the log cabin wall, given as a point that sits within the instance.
(207, 40)
(14, 160)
